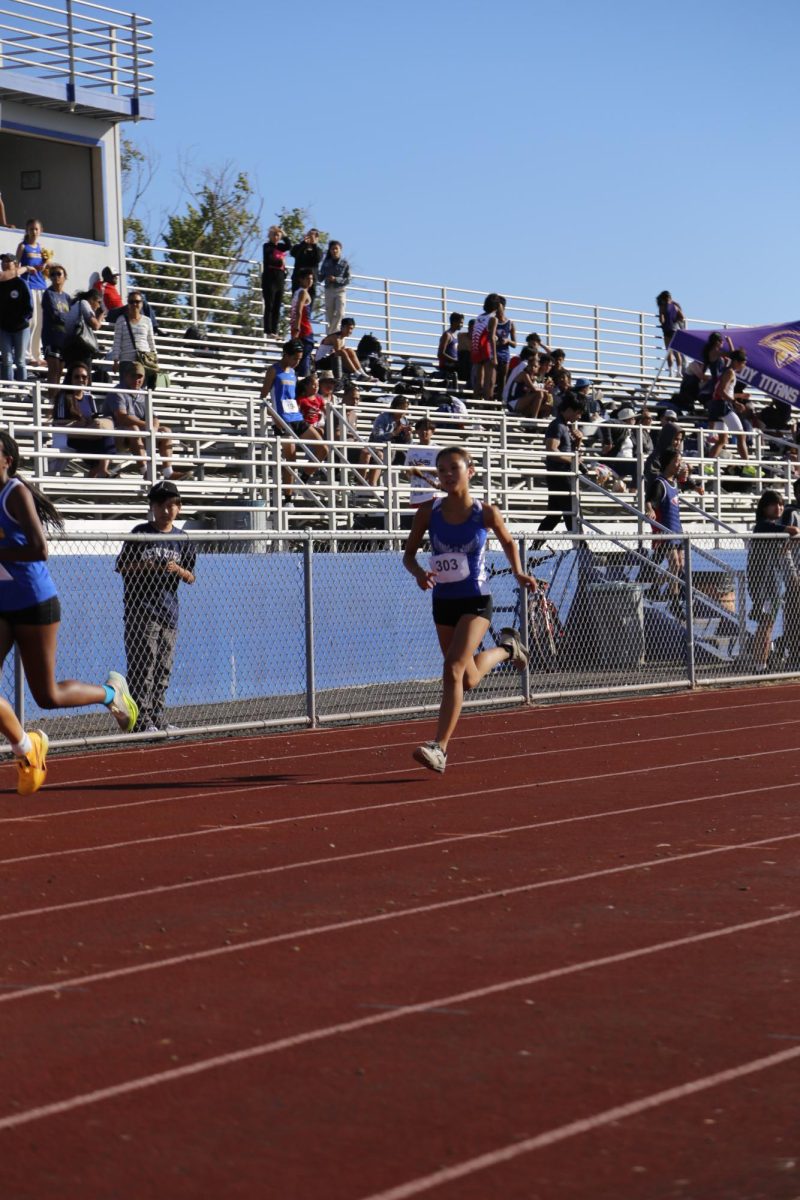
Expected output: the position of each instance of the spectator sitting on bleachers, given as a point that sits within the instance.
(617, 444)
(307, 255)
(351, 398)
(450, 413)
(127, 408)
(776, 418)
(335, 274)
(333, 354)
(302, 330)
(421, 464)
(134, 339)
(389, 428)
(369, 353)
(524, 392)
(76, 409)
(533, 343)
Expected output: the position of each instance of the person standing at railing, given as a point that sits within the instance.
(562, 442)
(16, 310)
(31, 258)
(335, 274)
(765, 572)
(662, 504)
(273, 278)
(30, 615)
(506, 335)
(301, 328)
(670, 318)
(56, 303)
(307, 256)
(791, 610)
(280, 389)
(458, 527)
(113, 303)
(134, 340)
(722, 407)
(483, 348)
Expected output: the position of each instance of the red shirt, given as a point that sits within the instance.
(111, 297)
(312, 408)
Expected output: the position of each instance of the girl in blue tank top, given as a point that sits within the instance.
(30, 616)
(458, 527)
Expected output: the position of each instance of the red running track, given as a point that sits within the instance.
(302, 967)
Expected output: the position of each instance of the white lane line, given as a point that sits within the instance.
(382, 1018)
(292, 756)
(377, 918)
(609, 1116)
(372, 808)
(444, 840)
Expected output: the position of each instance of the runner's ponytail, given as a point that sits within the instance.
(47, 511)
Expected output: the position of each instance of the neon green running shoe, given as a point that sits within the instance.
(123, 707)
(33, 767)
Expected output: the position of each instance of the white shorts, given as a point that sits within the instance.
(729, 421)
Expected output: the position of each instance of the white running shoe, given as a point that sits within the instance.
(432, 756)
(510, 640)
(123, 707)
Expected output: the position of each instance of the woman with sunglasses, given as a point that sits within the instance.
(29, 618)
(74, 407)
(56, 302)
(134, 340)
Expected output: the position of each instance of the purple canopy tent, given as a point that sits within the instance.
(773, 355)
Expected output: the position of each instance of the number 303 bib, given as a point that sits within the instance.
(450, 568)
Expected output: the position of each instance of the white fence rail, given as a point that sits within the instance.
(407, 316)
(84, 45)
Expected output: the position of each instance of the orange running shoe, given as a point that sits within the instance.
(33, 767)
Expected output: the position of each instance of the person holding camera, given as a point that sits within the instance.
(307, 256)
(273, 277)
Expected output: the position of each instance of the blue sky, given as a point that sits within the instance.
(578, 150)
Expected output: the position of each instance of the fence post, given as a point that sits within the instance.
(152, 443)
(689, 609)
(193, 285)
(135, 52)
(524, 624)
(444, 307)
(487, 474)
(547, 324)
(596, 338)
(642, 359)
(387, 316)
(308, 605)
(112, 60)
(71, 53)
(40, 467)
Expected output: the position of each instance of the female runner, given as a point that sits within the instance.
(462, 606)
(30, 615)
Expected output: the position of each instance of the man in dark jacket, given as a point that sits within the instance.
(307, 256)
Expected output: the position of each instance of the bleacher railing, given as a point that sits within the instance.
(274, 634)
(407, 317)
(81, 44)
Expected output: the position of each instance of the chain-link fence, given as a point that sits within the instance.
(256, 630)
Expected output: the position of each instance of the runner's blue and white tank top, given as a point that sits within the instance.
(22, 584)
(668, 511)
(284, 394)
(458, 554)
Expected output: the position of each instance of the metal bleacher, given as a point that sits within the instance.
(229, 469)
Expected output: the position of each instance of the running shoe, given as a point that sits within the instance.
(123, 707)
(510, 640)
(33, 767)
(432, 756)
